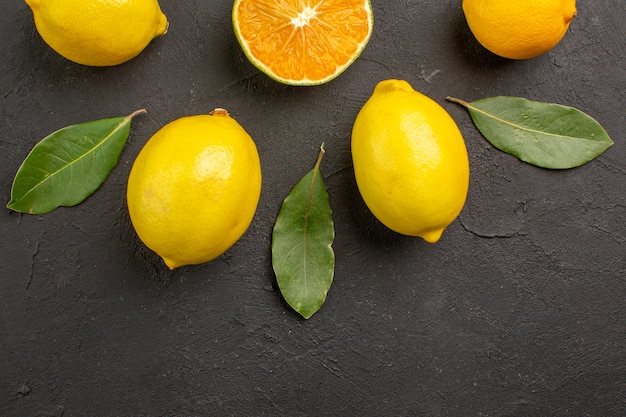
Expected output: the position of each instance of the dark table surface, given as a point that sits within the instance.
(519, 310)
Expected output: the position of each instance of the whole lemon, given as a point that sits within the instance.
(98, 32)
(519, 29)
(194, 188)
(410, 161)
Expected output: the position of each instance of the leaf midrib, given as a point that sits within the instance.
(304, 234)
(504, 121)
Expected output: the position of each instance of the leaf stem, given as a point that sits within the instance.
(136, 112)
(319, 157)
(458, 101)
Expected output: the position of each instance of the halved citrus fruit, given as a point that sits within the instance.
(302, 42)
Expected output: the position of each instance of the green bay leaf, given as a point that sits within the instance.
(69, 165)
(547, 135)
(302, 254)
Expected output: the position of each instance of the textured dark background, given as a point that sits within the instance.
(519, 310)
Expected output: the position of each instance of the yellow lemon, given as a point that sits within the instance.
(519, 29)
(98, 32)
(194, 188)
(410, 161)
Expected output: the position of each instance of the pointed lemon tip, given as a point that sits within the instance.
(172, 264)
(162, 25)
(432, 236)
(570, 13)
(32, 3)
(393, 85)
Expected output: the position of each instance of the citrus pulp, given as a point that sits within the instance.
(302, 42)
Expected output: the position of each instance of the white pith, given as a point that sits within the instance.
(304, 17)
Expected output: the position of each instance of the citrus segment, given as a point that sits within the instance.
(302, 42)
